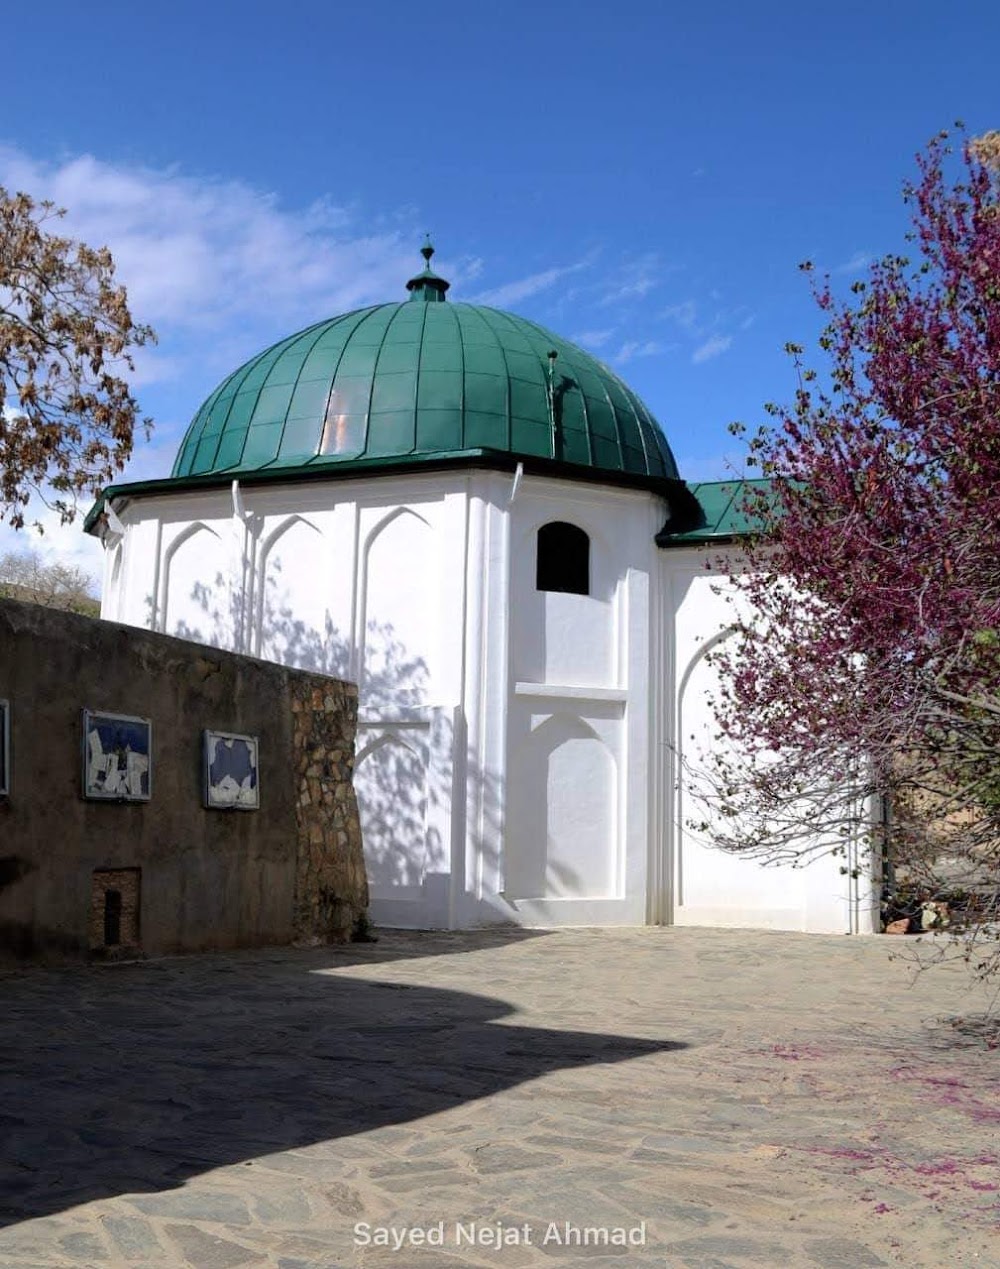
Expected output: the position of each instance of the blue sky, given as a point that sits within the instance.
(641, 177)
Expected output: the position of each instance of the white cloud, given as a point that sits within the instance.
(714, 346)
(688, 316)
(523, 288)
(638, 348)
(593, 338)
(56, 543)
(635, 279)
(684, 314)
(856, 264)
(203, 257)
(220, 270)
(467, 268)
(196, 251)
(67, 543)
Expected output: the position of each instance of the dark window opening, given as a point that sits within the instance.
(112, 918)
(563, 559)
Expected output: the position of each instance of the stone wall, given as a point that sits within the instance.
(331, 867)
(186, 878)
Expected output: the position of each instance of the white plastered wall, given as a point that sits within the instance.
(518, 751)
(577, 713)
(700, 885)
(503, 735)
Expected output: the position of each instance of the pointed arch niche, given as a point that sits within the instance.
(390, 779)
(398, 631)
(196, 600)
(113, 602)
(562, 835)
(707, 879)
(292, 622)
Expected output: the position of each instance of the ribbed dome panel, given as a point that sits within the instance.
(414, 380)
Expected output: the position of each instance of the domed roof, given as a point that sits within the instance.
(421, 381)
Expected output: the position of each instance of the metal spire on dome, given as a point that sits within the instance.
(427, 286)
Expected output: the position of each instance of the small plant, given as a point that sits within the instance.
(364, 930)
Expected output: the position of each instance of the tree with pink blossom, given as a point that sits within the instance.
(861, 701)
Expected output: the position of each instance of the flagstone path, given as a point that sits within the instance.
(716, 1098)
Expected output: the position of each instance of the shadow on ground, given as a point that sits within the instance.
(135, 1077)
(408, 945)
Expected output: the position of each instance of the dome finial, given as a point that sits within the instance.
(427, 286)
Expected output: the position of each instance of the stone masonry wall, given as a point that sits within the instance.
(331, 889)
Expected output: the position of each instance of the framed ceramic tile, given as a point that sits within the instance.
(117, 757)
(231, 771)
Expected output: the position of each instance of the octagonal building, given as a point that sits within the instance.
(484, 527)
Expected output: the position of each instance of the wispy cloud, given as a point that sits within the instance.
(203, 257)
(859, 261)
(593, 338)
(706, 332)
(713, 347)
(634, 279)
(220, 269)
(523, 288)
(638, 348)
(683, 314)
(468, 268)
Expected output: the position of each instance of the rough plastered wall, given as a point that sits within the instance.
(206, 879)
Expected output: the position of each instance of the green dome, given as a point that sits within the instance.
(422, 381)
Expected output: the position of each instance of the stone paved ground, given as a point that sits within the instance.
(755, 1099)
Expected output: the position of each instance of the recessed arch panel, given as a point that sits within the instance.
(398, 634)
(705, 878)
(390, 780)
(197, 594)
(293, 620)
(562, 835)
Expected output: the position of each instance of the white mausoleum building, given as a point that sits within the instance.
(482, 526)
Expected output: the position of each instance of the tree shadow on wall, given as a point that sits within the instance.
(397, 787)
(391, 675)
(400, 779)
(221, 614)
(130, 1079)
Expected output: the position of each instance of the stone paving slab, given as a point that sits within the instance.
(664, 1097)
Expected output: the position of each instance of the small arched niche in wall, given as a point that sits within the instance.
(114, 911)
(562, 559)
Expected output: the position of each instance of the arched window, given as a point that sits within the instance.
(563, 559)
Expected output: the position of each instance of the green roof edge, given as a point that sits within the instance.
(723, 518)
(502, 460)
